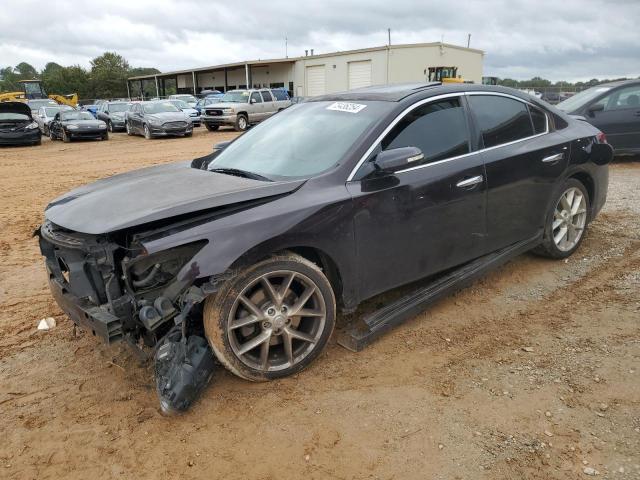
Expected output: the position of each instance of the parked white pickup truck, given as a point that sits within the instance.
(241, 108)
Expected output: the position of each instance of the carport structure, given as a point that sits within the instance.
(274, 73)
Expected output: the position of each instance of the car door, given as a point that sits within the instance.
(256, 108)
(137, 118)
(618, 116)
(426, 218)
(268, 103)
(524, 162)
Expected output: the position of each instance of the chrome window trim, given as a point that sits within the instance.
(402, 114)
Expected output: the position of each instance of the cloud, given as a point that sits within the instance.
(570, 39)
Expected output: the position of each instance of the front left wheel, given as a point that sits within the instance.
(271, 320)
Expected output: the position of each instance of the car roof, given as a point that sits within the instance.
(398, 92)
(618, 83)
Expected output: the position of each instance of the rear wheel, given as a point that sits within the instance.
(110, 126)
(567, 222)
(273, 319)
(147, 132)
(241, 123)
(211, 128)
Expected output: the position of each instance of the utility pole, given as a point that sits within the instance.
(286, 45)
(468, 40)
(389, 35)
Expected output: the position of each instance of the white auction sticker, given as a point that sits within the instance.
(346, 107)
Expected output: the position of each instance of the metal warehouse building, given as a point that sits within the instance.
(313, 75)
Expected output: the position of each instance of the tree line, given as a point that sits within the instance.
(541, 83)
(107, 77)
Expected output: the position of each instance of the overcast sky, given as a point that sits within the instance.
(557, 39)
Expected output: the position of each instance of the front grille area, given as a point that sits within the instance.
(174, 125)
(214, 112)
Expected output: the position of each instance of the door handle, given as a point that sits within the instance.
(469, 182)
(553, 158)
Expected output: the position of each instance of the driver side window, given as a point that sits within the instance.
(624, 98)
(255, 98)
(438, 128)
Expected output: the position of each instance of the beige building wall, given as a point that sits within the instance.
(397, 64)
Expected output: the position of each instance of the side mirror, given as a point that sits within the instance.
(398, 159)
(253, 100)
(598, 107)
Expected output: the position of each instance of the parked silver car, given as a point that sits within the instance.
(44, 116)
(157, 119)
(241, 108)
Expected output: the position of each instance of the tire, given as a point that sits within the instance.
(110, 126)
(65, 137)
(564, 230)
(105, 136)
(127, 127)
(211, 128)
(45, 131)
(188, 134)
(270, 358)
(242, 123)
(52, 135)
(147, 132)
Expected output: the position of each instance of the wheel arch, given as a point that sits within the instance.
(587, 180)
(312, 253)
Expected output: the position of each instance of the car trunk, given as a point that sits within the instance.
(14, 115)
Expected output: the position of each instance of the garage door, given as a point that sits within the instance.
(359, 74)
(315, 81)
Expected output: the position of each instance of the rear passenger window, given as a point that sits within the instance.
(267, 96)
(500, 119)
(539, 120)
(439, 129)
(280, 94)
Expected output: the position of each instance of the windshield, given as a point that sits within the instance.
(302, 140)
(74, 115)
(160, 107)
(36, 104)
(117, 107)
(240, 96)
(50, 112)
(180, 103)
(579, 100)
(185, 98)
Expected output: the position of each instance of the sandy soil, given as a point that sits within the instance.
(532, 373)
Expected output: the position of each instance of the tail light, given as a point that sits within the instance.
(601, 137)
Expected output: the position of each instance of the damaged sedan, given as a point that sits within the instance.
(248, 254)
(17, 125)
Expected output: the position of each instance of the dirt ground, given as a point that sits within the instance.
(531, 373)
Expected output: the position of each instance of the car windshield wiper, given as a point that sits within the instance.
(241, 173)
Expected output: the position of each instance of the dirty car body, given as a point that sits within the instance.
(131, 255)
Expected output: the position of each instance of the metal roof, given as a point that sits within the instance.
(294, 59)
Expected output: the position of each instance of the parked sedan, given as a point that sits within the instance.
(112, 113)
(193, 113)
(322, 206)
(157, 119)
(17, 126)
(77, 124)
(44, 116)
(614, 108)
(185, 97)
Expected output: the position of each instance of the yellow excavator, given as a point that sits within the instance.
(32, 90)
(444, 75)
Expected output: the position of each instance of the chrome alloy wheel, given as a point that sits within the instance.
(276, 321)
(569, 219)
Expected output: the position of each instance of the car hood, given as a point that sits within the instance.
(189, 111)
(224, 105)
(84, 123)
(152, 194)
(166, 116)
(15, 107)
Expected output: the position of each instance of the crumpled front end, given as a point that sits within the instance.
(84, 280)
